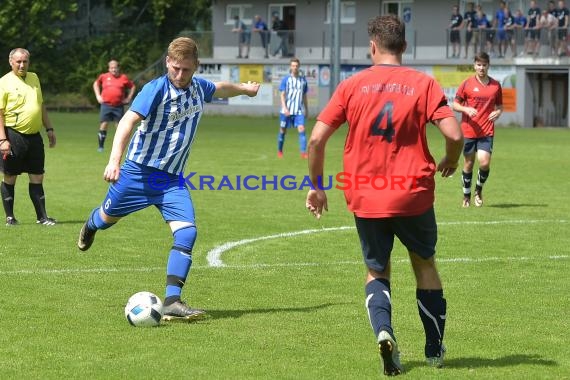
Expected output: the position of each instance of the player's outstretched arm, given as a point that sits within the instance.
(451, 131)
(316, 201)
(229, 90)
(122, 135)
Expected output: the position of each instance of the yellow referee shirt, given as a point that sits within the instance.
(21, 99)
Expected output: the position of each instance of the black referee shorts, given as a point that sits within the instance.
(28, 155)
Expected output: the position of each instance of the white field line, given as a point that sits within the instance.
(214, 256)
(454, 260)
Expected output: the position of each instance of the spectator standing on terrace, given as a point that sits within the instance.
(520, 25)
(532, 37)
(244, 37)
(510, 28)
(499, 28)
(280, 29)
(260, 27)
(454, 27)
(562, 14)
(470, 22)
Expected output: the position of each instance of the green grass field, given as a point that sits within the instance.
(285, 306)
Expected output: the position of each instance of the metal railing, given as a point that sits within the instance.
(506, 43)
(285, 43)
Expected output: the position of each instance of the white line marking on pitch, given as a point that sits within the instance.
(454, 260)
(214, 256)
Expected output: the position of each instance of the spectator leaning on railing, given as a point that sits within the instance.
(562, 14)
(470, 22)
(532, 29)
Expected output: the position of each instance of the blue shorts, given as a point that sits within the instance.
(292, 121)
(111, 113)
(417, 233)
(471, 146)
(141, 186)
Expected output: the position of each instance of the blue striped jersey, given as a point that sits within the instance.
(170, 120)
(294, 88)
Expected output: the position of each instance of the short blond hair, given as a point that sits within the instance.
(183, 48)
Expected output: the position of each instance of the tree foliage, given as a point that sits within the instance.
(139, 33)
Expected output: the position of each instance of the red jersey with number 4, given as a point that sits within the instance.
(485, 99)
(113, 88)
(388, 169)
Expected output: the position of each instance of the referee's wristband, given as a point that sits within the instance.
(49, 130)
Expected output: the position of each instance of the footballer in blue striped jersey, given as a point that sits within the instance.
(294, 107)
(166, 113)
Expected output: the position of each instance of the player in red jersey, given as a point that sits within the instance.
(113, 90)
(387, 107)
(480, 100)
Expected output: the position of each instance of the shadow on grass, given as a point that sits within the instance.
(516, 205)
(504, 361)
(219, 314)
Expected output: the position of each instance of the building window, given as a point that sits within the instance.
(243, 11)
(347, 12)
(398, 8)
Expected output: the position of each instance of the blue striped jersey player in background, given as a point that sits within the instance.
(167, 112)
(294, 107)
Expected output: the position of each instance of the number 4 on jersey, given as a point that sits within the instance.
(387, 132)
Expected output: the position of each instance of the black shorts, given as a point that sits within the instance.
(562, 34)
(532, 34)
(471, 146)
(417, 233)
(468, 36)
(27, 154)
(454, 36)
(111, 113)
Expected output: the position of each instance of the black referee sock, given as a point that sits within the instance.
(7, 198)
(102, 135)
(37, 196)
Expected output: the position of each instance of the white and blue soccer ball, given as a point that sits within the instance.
(144, 309)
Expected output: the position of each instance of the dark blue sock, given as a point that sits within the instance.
(379, 306)
(303, 142)
(280, 141)
(95, 222)
(432, 308)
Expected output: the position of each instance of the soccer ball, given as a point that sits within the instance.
(144, 309)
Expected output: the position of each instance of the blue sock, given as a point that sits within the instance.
(432, 308)
(95, 222)
(280, 141)
(379, 306)
(179, 262)
(303, 142)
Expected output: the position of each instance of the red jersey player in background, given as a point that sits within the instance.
(387, 107)
(113, 90)
(480, 100)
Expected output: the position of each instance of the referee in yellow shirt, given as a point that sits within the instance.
(22, 116)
